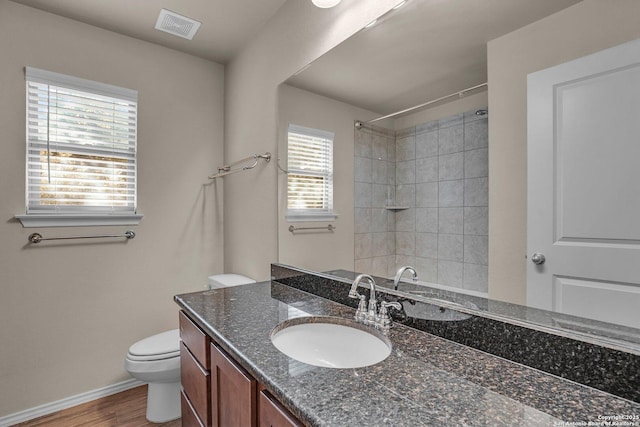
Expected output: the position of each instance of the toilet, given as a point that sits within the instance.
(226, 280)
(156, 361)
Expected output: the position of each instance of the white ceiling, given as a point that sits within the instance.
(420, 52)
(226, 24)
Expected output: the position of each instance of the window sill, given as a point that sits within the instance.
(310, 217)
(54, 220)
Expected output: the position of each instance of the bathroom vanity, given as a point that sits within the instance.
(233, 375)
(217, 390)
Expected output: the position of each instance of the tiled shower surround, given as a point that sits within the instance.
(421, 199)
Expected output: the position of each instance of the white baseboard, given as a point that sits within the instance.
(49, 408)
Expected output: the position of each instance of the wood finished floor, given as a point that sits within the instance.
(124, 409)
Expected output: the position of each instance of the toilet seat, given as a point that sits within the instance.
(151, 358)
(165, 345)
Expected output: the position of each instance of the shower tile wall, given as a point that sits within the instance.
(441, 176)
(375, 177)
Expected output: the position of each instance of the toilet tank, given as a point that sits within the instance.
(225, 280)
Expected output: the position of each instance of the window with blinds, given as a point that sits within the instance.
(81, 146)
(310, 177)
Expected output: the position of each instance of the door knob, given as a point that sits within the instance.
(538, 258)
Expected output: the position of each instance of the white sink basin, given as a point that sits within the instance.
(330, 342)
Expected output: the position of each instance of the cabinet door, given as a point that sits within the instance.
(233, 392)
(273, 414)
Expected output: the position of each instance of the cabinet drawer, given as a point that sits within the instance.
(273, 414)
(189, 417)
(195, 383)
(196, 340)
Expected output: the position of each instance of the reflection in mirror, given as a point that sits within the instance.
(413, 189)
(421, 200)
(460, 304)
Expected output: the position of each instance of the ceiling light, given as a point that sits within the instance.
(178, 25)
(324, 4)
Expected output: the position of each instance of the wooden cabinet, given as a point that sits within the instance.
(189, 416)
(194, 339)
(217, 391)
(194, 374)
(273, 414)
(195, 384)
(233, 392)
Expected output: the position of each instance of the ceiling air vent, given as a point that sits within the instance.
(178, 25)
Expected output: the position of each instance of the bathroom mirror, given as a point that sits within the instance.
(412, 55)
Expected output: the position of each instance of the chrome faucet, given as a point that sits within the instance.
(368, 318)
(383, 321)
(399, 274)
(370, 315)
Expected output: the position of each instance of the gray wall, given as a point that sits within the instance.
(69, 311)
(297, 35)
(319, 250)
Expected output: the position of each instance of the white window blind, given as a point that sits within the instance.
(310, 177)
(81, 146)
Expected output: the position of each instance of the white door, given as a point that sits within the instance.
(583, 179)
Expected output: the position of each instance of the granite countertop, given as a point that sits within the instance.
(426, 381)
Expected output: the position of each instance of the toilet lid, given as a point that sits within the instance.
(160, 346)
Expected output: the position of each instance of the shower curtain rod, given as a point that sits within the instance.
(460, 93)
